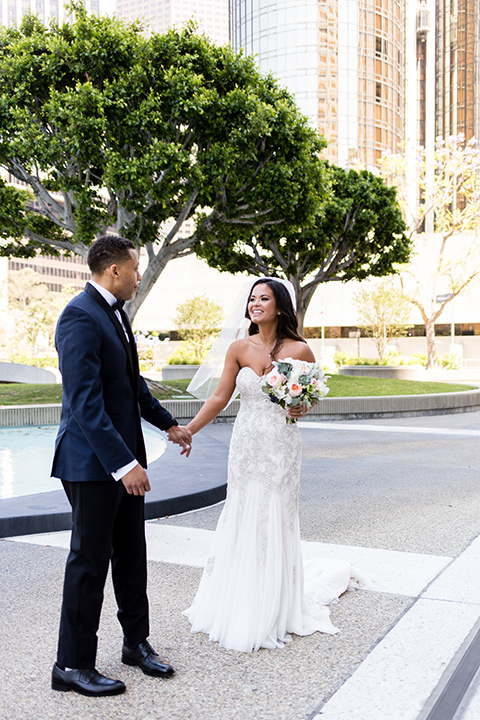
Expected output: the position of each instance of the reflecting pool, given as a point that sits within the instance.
(26, 458)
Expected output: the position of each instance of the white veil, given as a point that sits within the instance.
(235, 327)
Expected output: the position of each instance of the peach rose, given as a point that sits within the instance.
(294, 389)
(275, 379)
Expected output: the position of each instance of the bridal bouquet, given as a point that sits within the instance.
(292, 382)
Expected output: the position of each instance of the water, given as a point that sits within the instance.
(26, 458)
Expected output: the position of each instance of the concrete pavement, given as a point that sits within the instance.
(400, 499)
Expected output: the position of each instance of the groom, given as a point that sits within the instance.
(100, 458)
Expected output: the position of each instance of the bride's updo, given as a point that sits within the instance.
(287, 327)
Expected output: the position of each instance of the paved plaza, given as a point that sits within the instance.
(399, 498)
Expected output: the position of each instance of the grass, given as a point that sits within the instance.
(29, 394)
(340, 386)
(349, 386)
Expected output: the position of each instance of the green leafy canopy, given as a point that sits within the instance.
(110, 128)
(356, 232)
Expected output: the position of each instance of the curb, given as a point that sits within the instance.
(178, 485)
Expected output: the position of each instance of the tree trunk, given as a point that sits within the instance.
(431, 352)
(304, 295)
(156, 265)
(301, 319)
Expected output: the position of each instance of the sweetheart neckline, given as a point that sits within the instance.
(250, 368)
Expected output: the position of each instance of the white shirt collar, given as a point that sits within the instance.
(106, 294)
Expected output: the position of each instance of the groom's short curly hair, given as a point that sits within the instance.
(107, 250)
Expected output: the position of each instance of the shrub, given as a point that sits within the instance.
(184, 355)
(418, 359)
(451, 362)
(198, 320)
(392, 358)
(340, 358)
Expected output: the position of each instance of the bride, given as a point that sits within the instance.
(255, 591)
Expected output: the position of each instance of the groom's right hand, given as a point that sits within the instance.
(136, 481)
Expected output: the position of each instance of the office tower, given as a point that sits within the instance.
(458, 68)
(210, 15)
(342, 59)
(12, 11)
(55, 271)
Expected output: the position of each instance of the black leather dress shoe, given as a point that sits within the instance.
(86, 682)
(147, 660)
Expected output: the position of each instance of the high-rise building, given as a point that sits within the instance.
(12, 11)
(282, 35)
(211, 15)
(55, 271)
(342, 59)
(458, 68)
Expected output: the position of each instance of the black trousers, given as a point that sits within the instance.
(108, 524)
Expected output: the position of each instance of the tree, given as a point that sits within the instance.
(357, 232)
(444, 264)
(109, 128)
(198, 320)
(384, 314)
(35, 309)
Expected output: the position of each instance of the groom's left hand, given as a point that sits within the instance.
(181, 436)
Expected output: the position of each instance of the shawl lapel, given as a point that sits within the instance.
(130, 347)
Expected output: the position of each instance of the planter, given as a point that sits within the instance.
(401, 372)
(178, 372)
(16, 373)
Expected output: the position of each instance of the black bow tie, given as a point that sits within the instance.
(118, 304)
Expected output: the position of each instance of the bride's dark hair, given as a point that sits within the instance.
(287, 320)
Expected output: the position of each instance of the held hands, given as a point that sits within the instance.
(136, 481)
(180, 435)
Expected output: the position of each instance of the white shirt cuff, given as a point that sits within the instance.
(121, 472)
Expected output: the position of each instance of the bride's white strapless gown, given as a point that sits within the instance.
(255, 590)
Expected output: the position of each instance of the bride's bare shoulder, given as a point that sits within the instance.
(238, 347)
(297, 350)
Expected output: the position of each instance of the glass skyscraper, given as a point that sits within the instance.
(457, 66)
(342, 59)
(283, 35)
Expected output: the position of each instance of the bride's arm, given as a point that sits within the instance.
(302, 351)
(221, 395)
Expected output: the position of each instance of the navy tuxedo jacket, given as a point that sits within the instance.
(104, 395)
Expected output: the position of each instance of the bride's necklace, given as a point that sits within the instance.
(269, 352)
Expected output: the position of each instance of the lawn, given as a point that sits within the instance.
(340, 386)
(349, 386)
